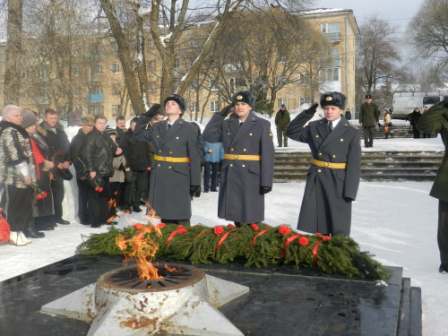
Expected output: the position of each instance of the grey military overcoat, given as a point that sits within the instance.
(327, 201)
(240, 199)
(169, 192)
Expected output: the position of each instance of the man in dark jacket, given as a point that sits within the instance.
(59, 146)
(333, 177)
(99, 151)
(120, 123)
(176, 173)
(77, 157)
(282, 120)
(247, 169)
(369, 118)
(434, 121)
(138, 157)
(413, 118)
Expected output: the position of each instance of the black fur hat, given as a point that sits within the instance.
(245, 97)
(333, 99)
(153, 111)
(178, 99)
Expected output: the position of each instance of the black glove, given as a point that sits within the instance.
(195, 191)
(311, 110)
(265, 189)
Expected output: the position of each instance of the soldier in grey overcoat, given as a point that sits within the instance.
(247, 169)
(176, 171)
(334, 174)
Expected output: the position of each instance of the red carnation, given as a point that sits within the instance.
(255, 227)
(219, 230)
(181, 229)
(230, 226)
(284, 230)
(304, 241)
(99, 189)
(161, 225)
(138, 226)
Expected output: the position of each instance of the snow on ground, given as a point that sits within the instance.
(396, 221)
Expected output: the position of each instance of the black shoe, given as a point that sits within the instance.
(443, 269)
(96, 225)
(62, 221)
(136, 208)
(206, 191)
(32, 233)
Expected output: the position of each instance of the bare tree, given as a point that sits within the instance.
(13, 71)
(274, 48)
(378, 54)
(430, 29)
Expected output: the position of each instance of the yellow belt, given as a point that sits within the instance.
(241, 157)
(331, 165)
(172, 159)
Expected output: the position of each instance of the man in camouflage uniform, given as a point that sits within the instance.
(434, 121)
(369, 118)
(282, 120)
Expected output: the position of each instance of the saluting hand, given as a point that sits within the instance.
(312, 109)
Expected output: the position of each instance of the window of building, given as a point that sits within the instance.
(331, 31)
(213, 85)
(214, 106)
(96, 109)
(97, 69)
(335, 57)
(152, 65)
(76, 70)
(329, 74)
(116, 110)
(115, 67)
(116, 90)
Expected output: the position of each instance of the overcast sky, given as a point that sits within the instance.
(398, 13)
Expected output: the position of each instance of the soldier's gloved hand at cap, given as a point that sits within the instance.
(312, 109)
(265, 189)
(195, 191)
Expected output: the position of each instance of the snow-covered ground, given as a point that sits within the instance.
(396, 221)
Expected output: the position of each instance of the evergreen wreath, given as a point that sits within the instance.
(255, 245)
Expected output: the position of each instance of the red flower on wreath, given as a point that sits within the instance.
(230, 226)
(255, 227)
(304, 241)
(219, 230)
(99, 189)
(161, 226)
(284, 230)
(181, 229)
(138, 226)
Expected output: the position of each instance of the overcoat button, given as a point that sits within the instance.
(244, 166)
(251, 134)
(158, 165)
(320, 154)
(231, 165)
(319, 170)
(169, 167)
(177, 138)
(334, 156)
(244, 150)
(342, 140)
(317, 135)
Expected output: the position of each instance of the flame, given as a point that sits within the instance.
(143, 249)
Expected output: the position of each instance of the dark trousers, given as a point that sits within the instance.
(137, 189)
(442, 233)
(184, 222)
(83, 197)
(57, 188)
(97, 204)
(281, 135)
(19, 207)
(211, 176)
(416, 133)
(368, 136)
